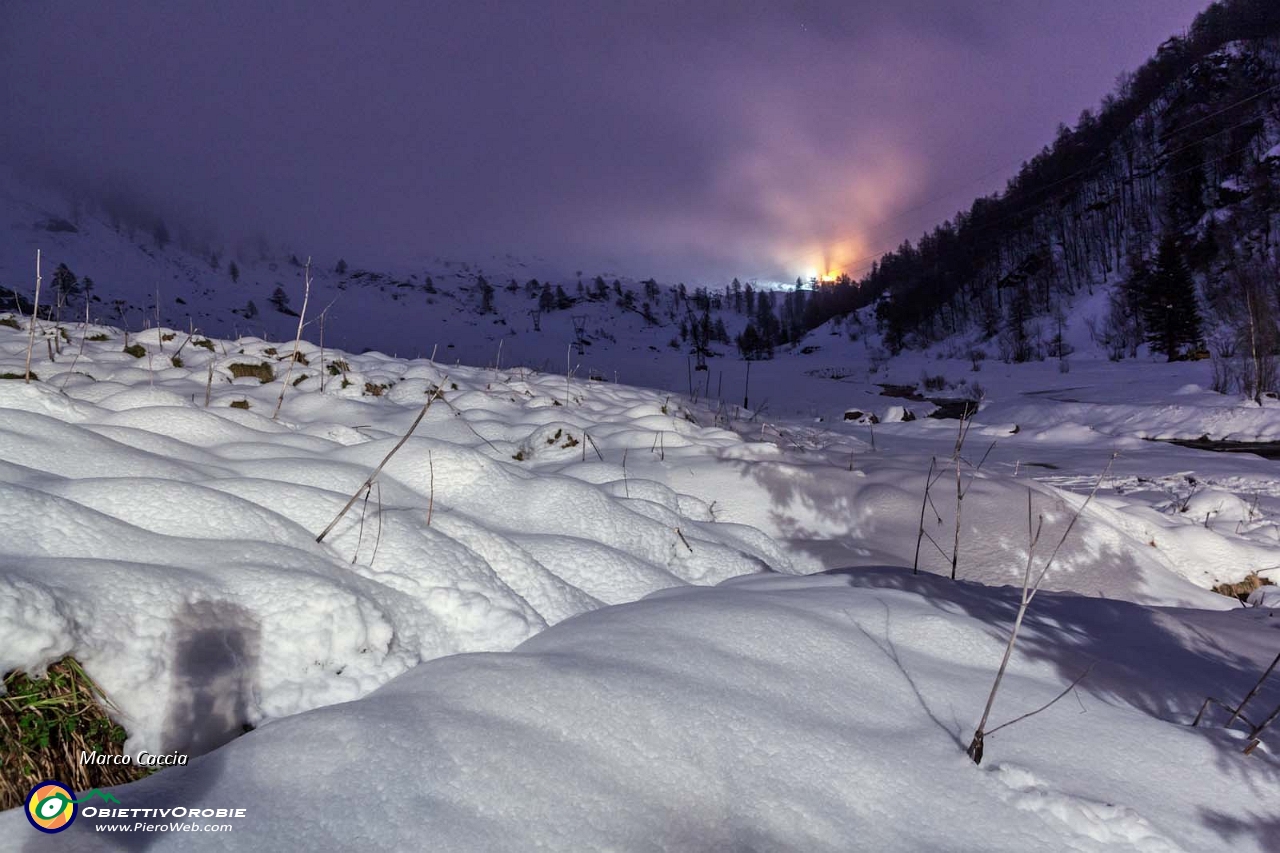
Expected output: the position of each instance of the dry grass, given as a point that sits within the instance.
(262, 372)
(18, 375)
(1242, 589)
(46, 723)
(240, 404)
(136, 350)
(98, 338)
(10, 322)
(375, 390)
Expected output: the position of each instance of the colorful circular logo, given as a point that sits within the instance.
(51, 806)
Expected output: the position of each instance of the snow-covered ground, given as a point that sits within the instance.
(820, 713)
(139, 522)
(563, 617)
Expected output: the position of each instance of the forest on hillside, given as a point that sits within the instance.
(1168, 195)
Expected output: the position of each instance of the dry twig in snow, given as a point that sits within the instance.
(1029, 589)
(31, 331)
(297, 341)
(378, 470)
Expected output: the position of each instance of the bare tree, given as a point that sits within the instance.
(962, 489)
(1030, 587)
(297, 340)
(1258, 330)
(31, 330)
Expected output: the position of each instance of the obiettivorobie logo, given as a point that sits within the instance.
(51, 805)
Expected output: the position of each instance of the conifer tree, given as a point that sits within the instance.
(721, 333)
(65, 285)
(749, 342)
(279, 300)
(486, 294)
(1171, 315)
(766, 323)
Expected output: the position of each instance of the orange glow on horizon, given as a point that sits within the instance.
(826, 262)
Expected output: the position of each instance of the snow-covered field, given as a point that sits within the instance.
(582, 615)
(139, 522)
(818, 713)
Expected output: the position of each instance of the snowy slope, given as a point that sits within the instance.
(819, 713)
(387, 307)
(836, 368)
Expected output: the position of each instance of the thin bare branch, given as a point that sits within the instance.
(1074, 518)
(593, 446)
(439, 394)
(364, 510)
(31, 329)
(377, 539)
(431, 501)
(83, 334)
(1047, 705)
(1224, 706)
(915, 564)
(1254, 691)
(297, 340)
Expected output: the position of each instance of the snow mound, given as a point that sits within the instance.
(171, 545)
(1265, 596)
(826, 713)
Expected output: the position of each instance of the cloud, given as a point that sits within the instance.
(680, 140)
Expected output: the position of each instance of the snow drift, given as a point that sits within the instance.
(767, 713)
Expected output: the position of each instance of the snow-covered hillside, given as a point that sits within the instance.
(411, 310)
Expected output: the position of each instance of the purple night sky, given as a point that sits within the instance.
(691, 140)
